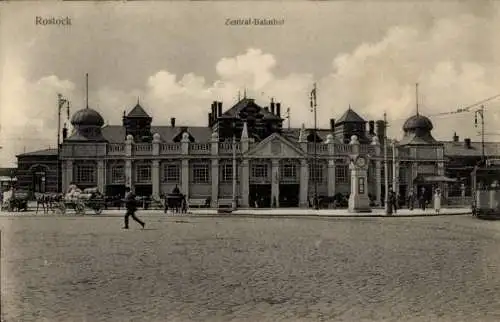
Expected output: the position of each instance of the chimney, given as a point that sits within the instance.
(278, 109)
(381, 130)
(210, 119)
(267, 109)
(219, 105)
(467, 143)
(371, 127)
(65, 132)
(214, 109)
(332, 125)
(455, 137)
(172, 121)
(272, 105)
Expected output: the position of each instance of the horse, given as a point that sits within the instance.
(47, 201)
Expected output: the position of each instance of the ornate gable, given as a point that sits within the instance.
(276, 145)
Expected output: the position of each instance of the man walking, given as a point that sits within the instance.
(131, 206)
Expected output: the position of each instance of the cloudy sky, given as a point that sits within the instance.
(179, 56)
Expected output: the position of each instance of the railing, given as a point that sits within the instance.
(143, 148)
(199, 148)
(227, 147)
(116, 148)
(343, 148)
(321, 148)
(170, 148)
(365, 148)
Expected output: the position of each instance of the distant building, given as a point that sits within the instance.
(273, 163)
(37, 171)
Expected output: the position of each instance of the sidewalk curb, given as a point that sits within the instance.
(321, 215)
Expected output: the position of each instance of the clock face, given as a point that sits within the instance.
(361, 162)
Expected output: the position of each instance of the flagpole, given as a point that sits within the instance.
(315, 162)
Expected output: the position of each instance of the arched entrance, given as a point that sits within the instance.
(39, 178)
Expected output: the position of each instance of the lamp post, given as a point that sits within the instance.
(394, 168)
(386, 170)
(234, 202)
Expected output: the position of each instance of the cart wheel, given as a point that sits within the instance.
(98, 210)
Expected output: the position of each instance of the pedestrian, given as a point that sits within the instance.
(394, 203)
(422, 200)
(390, 202)
(131, 206)
(410, 200)
(437, 201)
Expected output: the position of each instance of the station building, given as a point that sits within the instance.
(275, 165)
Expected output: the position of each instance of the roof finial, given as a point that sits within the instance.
(416, 96)
(87, 89)
(138, 100)
(350, 106)
(245, 93)
(239, 95)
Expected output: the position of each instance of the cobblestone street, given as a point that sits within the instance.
(250, 269)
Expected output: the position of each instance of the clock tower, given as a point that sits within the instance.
(358, 199)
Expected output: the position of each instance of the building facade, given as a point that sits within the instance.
(274, 165)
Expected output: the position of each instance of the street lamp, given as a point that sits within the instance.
(386, 170)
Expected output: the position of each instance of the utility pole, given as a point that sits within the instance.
(234, 202)
(315, 163)
(61, 103)
(481, 113)
(386, 168)
(394, 168)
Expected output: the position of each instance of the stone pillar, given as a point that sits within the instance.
(155, 178)
(395, 169)
(128, 173)
(378, 170)
(185, 165)
(101, 176)
(275, 182)
(214, 151)
(245, 183)
(304, 184)
(185, 177)
(331, 165)
(215, 183)
(331, 177)
(68, 174)
(440, 172)
(128, 161)
(378, 180)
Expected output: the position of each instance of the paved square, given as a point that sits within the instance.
(250, 269)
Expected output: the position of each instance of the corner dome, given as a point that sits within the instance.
(87, 116)
(419, 122)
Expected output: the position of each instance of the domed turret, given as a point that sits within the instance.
(87, 124)
(87, 117)
(417, 131)
(419, 122)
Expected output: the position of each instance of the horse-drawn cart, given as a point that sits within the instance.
(90, 198)
(15, 200)
(176, 202)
